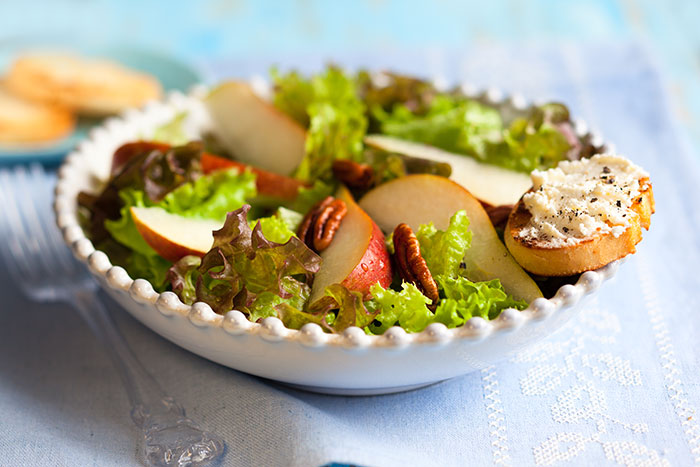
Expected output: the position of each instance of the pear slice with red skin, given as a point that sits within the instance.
(268, 183)
(254, 130)
(357, 257)
(489, 183)
(421, 199)
(173, 236)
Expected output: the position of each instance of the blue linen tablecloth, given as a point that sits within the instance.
(619, 385)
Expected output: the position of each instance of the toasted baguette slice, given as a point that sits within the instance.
(26, 122)
(542, 258)
(91, 87)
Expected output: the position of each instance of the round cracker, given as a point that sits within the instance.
(24, 121)
(91, 87)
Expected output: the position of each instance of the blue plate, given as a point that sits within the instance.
(172, 74)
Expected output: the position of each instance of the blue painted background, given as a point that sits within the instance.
(206, 32)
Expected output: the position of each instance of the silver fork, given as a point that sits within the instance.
(44, 269)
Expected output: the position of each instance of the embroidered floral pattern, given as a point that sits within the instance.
(571, 370)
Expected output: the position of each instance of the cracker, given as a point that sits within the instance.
(23, 121)
(88, 86)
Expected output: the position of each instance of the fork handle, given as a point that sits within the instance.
(170, 437)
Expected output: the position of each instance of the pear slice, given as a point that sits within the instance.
(421, 199)
(173, 236)
(489, 183)
(254, 130)
(357, 257)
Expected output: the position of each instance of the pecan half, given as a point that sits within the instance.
(353, 174)
(321, 222)
(411, 265)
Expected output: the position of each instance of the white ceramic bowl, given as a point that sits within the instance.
(348, 363)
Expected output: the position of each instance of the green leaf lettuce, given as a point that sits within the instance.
(444, 251)
(465, 126)
(336, 118)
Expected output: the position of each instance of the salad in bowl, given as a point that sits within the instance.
(367, 206)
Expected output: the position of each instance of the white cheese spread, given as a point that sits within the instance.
(581, 199)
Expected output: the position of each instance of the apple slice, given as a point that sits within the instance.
(489, 183)
(421, 199)
(268, 183)
(254, 130)
(174, 236)
(357, 257)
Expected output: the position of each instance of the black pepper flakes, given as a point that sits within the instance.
(606, 169)
(565, 229)
(593, 200)
(618, 203)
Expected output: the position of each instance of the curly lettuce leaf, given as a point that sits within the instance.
(281, 226)
(407, 308)
(337, 124)
(485, 299)
(183, 278)
(295, 317)
(293, 94)
(527, 147)
(266, 304)
(243, 267)
(465, 126)
(211, 196)
(461, 300)
(454, 124)
(339, 309)
(444, 251)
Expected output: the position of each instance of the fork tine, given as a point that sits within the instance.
(15, 250)
(41, 209)
(7, 247)
(25, 193)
